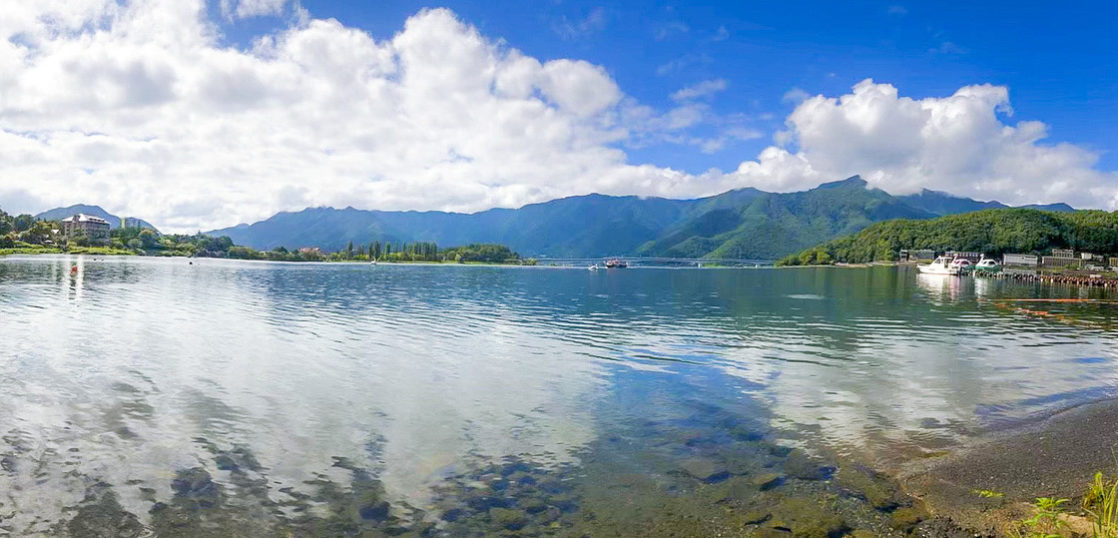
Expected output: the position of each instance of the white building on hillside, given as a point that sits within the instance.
(95, 229)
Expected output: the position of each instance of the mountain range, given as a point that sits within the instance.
(60, 213)
(743, 223)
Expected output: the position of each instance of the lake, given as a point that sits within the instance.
(144, 396)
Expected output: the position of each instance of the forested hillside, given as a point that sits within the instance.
(743, 223)
(992, 231)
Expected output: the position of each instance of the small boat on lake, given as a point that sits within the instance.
(616, 263)
(940, 266)
(593, 267)
(964, 265)
(987, 265)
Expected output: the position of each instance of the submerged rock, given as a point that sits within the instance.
(195, 484)
(508, 518)
(374, 511)
(799, 464)
(906, 518)
(101, 515)
(805, 518)
(767, 481)
(704, 469)
(864, 483)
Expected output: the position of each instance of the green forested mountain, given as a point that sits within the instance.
(768, 226)
(992, 231)
(593, 225)
(743, 223)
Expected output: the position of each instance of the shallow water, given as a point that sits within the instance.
(151, 396)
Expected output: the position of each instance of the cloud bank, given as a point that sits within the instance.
(141, 108)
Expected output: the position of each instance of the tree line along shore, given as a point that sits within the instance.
(24, 234)
(993, 232)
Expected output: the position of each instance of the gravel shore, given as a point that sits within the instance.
(1053, 457)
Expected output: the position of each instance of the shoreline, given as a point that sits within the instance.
(1055, 455)
(4, 253)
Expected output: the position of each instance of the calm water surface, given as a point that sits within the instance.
(145, 396)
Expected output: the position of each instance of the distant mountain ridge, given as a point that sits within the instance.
(942, 203)
(60, 213)
(743, 223)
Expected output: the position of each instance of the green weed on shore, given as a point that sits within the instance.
(1049, 519)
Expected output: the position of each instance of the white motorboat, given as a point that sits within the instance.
(593, 267)
(964, 265)
(940, 266)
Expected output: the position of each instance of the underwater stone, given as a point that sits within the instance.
(194, 483)
(101, 515)
(533, 506)
(483, 503)
(377, 511)
(510, 519)
(565, 503)
(863, 483)
(225, 463)
(551, 515)
(515, 467)
(906, 518)
(767, 481)
(705, 470)
(806, 519)
(736, 488)
(798, 464)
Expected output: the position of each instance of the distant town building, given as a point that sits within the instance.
(1020, 259)
(907, 255)
(94, 229)
(1062, 253)
(974, 257)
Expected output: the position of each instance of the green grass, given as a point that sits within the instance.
(1101, 502)
(94, 251)
(29, 250)
(1047, 520)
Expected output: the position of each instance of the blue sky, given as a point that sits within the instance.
(470, 105)
(1060, 63)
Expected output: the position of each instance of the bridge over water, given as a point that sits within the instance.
(647, 261)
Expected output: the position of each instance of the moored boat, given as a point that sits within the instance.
(616, 263)
(963, 265)
(940, 266)
(987, 265)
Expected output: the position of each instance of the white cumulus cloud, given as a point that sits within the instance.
(141, 108)
(957, 144)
